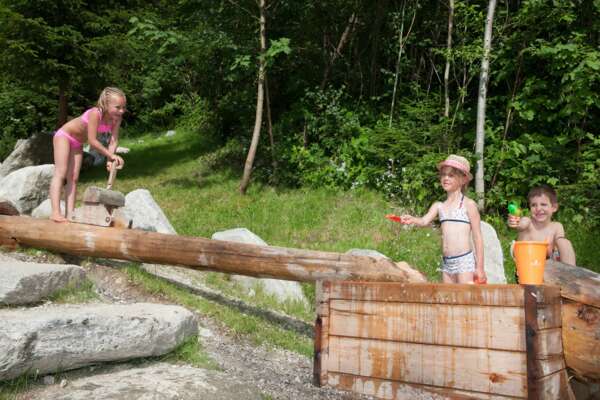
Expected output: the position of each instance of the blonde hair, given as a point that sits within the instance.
(105, 96)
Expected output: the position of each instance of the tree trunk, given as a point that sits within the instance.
(483, 80)
(401, 41)
(199, 253)
(270, 130)
(259, 100)
(448, 57)
(380, 13)
(338, 50)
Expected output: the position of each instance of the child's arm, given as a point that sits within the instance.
(424, 220)
(113, 143)
(475, 218)
(92, 134)
(519, 223)
(564, 246)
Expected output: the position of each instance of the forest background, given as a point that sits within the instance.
(357, 93)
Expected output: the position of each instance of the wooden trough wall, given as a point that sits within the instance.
(411, 341)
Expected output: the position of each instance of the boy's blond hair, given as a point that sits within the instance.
(105, 96)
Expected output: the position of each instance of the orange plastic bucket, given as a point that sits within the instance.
(530, 258)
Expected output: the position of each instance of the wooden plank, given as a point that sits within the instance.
(534, 372)
(392, 390)
(555, 387)
(498, 328)
(321, 344)
(479, 370)
(439, 293)
(199, 253)
(549, 316)
(93, 214)
(581, 339)
(94, 194)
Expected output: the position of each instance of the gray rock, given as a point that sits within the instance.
(366, 252)
(36, 150)
(145, 213)
(282, 290)
(25, 283)
(58, 338)
(159, 381)
(493, 259)
(27, 187)
(44, 210)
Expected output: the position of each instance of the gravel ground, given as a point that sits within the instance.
(280, 374)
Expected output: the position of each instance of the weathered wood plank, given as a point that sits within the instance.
(555, 386)
(480, 370)
(499, 328)
(321, 344)
(94, 194)
(391, 390)
(439, 293)
(199, 253)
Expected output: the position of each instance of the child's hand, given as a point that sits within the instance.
(480, 277)
(407, 219)
(118, 159)
(513, 221)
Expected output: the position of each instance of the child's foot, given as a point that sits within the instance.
(58, 218)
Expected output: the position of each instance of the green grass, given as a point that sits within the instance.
(83, 292)
(192, 353)
(9, 390)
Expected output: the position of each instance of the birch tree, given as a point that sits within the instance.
(483, 81)
(448, 57)
(259, 99)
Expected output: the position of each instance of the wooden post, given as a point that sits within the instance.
(322, 291)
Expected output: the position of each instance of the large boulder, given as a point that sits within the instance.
(36, 150)
(146, 213)
(24, 283)
(58, 338)
(27, 187)
(282, 290)
(493, 259)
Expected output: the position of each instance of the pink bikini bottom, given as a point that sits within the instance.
(73, 143)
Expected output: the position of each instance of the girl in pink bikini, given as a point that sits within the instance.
(68, 143)
(459, 220)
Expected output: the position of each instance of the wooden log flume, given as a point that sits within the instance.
(200, 253)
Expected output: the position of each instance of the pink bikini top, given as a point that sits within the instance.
(102, 127)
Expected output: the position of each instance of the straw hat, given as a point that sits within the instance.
(458, 162)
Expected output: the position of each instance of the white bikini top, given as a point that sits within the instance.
(454, 215)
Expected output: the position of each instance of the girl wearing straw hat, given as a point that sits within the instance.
(459, 220)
